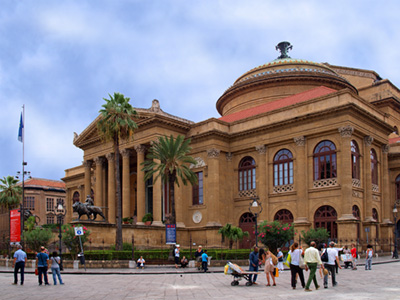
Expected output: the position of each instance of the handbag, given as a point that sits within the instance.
(36, 272)
(288, 260)
(324, 256)
(301, 262)
(60, 265)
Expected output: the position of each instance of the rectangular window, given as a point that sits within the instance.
(198, 190)
(50, 220)
(50, 205)
(29, 203)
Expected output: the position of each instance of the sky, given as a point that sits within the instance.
(61, 58)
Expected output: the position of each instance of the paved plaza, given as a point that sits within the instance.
(380, 283)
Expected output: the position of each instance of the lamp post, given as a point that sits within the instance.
(395, 253)
(22, 205)
(255, 208)
(60, 212)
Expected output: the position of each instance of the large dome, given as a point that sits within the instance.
(277, 79)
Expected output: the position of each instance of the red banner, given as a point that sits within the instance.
(15, 226)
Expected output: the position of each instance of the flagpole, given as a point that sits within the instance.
(23, 174)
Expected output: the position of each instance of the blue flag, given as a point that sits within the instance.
(21, 131)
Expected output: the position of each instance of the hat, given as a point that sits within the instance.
(177, 245)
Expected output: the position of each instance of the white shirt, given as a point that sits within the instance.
(332, 254)
(295, 256)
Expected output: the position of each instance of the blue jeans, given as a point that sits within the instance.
(19, 266)
(368, 263)
(56, 272)
(252, 268)
(43, 270)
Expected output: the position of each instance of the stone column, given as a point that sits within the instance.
(212, 200)
(88, 167)
(157, 208)
(111, 188)
(368, 179)
(386, 203)
(261, 181)
(126, 189)
(345, 173)
(141, 196)
(98, 197)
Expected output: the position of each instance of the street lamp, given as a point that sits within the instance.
(22, 205)
(60, 212)
(255, 208)
(395, 253)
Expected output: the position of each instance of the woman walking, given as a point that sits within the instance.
(295, 253)
(269, 267)
(55, 268)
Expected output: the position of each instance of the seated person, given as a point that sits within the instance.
(184, 262)
(141, 262)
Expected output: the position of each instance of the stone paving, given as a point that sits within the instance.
(380, 283)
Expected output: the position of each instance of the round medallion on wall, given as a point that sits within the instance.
(197, 216)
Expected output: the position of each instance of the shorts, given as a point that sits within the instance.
(177, 260)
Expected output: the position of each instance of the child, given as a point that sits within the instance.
(368, 258)
(204, 261)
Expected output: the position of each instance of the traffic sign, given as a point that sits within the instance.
(78, 231)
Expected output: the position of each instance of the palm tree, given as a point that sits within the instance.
(117, 123)
(10, 192)
(232, 233)
(168, 158)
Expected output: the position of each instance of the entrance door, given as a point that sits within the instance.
(246, 223)
(325, 217)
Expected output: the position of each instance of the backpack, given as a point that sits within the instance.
(324, 256)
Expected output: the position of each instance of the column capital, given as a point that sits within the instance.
(229, 156)
(368, 140)
(87, 163)
(213, 153)
(140, 149)
(385, 149)
(300, 140)
(110, 157)
(125, 152)
(98, 160)
(262, 149)
(346, 131)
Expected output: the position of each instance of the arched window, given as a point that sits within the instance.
(247, 174)
(325, 160)
(76, 197)
(398, 188)
(283, 168)
(375, 214)
(284, 216)
(374, 167)
(357, 215)
(355, 160)
(246, 223)
(325, 217)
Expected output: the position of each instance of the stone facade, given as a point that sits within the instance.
(315, 142)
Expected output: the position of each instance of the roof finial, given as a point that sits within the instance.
(284, 48)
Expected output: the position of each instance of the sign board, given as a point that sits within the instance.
(15, 226)
(78, 231)
(366, 229)
(170, 234)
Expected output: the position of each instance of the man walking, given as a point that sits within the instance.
(253, 264)
(312, 259)
(19, 264)
(330, 265)
(42, 261)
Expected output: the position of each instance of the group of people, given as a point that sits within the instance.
(43, 264)
(200, 256)
(310, 259)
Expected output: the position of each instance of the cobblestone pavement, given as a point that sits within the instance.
(382, 282)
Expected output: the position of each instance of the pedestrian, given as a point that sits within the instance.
(19, 262)
(368, 257)
(197, 256)
(312, 259)
(269, 268)
(354, 256)
(295, 253)
(184, 262)
(141, 262)
(279, 256)
(42, 261)
(176, 255)
(204, 261)
(333, 257)
(253, 265)
(55, 268)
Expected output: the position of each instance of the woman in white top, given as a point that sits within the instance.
(55, 268)
(295, 253)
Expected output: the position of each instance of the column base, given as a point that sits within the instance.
(157, 223)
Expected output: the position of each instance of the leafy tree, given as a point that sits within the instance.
(10, 192)
(275, 234)
(71, 241)
(232, 233)
(117, 123)
(37, 237)
(319, 235)
(168, 158)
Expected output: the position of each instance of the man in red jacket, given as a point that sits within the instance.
(354, 256)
